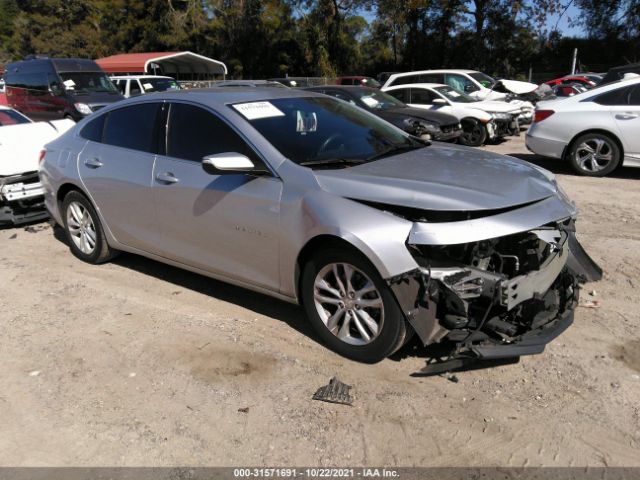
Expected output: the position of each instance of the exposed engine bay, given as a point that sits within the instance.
(501, 297)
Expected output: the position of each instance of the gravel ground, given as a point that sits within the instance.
(137, 363)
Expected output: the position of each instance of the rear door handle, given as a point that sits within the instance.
(93, 163)
(166, 177)
(626, 116)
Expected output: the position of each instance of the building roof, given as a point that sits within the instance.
(169, 62)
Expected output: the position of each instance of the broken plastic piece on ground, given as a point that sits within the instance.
(335, 392)
(590, 304)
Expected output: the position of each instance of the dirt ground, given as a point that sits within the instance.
(136, 363)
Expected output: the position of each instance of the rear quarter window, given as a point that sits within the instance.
(93, 130)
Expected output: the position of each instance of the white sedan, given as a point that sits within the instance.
(596, 131)
(481, 120)
(21, 141)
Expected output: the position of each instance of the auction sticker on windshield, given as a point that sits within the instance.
(257, 110)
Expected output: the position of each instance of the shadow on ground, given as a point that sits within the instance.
(557, 166)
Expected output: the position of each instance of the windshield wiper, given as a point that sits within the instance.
(334, 161)
(393, 149)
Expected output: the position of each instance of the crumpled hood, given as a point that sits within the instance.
(496, 106)
(441, 177)
(518, 87)
(418, 113)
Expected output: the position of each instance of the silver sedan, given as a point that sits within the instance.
(377, 234)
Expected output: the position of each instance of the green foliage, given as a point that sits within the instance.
(265, 38)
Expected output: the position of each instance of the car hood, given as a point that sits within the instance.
(518, 87)
(20, 145)
(417, 113)
(442, 177)
(496, 106)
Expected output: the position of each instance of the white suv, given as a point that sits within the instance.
(595, 131)
(133, 85)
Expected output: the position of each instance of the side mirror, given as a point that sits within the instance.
(439, 101)
(469, 88)
(226, 163)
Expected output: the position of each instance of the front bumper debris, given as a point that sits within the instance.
(21, 199)
(517, 295)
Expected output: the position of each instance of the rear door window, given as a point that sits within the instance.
(401, 94)
(133, 127)
(619, 96)
(421, 97)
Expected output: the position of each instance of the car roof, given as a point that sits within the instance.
(414, 85)
(352, 88)
(220, 96)
(137, 77)
(442, 70)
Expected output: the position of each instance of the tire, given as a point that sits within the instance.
(376, 304)
(594, 154)
(474, 133)
(84, 231)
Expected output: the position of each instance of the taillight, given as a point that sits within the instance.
(41, 158)
(541, 115)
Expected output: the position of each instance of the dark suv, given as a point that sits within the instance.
(54, 88)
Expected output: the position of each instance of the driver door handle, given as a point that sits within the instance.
(93, 163)
(166, 177)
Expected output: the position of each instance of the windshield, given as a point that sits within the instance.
(455, 95)
(483, 79)
(159, 84)
(378, 100)
(11, 117)
(87, 82)
(315, 130)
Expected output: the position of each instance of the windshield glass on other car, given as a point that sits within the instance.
(11, 117)
(483, 79)
(324, 130)
(370, 82)
(378, 100)
(455, 95)
(159, 84)
(87, 82)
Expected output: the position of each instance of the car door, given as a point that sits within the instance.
(626, 113)
(423, 98)
(224, 224)
(117, 172)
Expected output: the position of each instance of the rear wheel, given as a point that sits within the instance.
(84, 230)
(594, 154)
(474, 133)
(351, 307)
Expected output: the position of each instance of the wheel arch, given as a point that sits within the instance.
(64, 189)
(322, 242)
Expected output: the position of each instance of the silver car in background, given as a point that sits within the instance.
(377, 234)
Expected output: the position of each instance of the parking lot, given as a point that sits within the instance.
(137, 363)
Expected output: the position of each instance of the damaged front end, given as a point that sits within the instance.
(21, 199)
(496, 298)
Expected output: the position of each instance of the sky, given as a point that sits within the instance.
(553, 20)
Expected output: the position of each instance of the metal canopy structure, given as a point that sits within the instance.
(180, 65)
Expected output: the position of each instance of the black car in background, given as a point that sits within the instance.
(416, 121)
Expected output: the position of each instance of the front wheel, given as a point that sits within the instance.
(594, 155)
(351, 307)
(474, 133)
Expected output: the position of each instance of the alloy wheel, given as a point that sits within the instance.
(594, 154)
(81, 228)
(348, 303)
